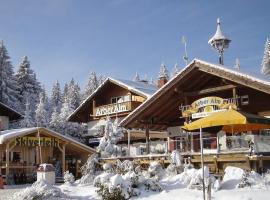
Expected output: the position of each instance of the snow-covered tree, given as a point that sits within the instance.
(55, 123)
(8, 85)
(29, 87)
(108, 143)
(72, 129)
(27, 118)
(163, 73)
(56, 97)
(266, 59)
(92, 84)
(65, 92)
(136, 77)
(41, 113)
(73, 94)
(175, 70)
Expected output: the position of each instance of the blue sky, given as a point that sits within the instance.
(70, 38)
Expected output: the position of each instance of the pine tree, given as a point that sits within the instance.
(56, 97)
(8, 85)
(136, 77)
(92, 85)
(29, 87)
(73, 94)
(72, 129)
(175, 70)
(41, 113)
(27, 118)
(266, 59)
(65, 92)
(55, 123)
(163, 73)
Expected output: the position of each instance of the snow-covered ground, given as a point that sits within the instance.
(173, 188)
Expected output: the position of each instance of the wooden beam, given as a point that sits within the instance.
(7, 160)
(209, 90)
(147, 139)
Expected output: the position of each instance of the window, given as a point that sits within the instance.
(120, 99)
(116, 99)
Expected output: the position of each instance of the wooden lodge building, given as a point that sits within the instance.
(200, 89)
(117, 99)
(22, 150)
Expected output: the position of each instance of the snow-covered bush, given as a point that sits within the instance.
(40, 190)
(196, 181)
(152, 184)
(176, 166)
(89, 170)
(125, 181)
(68, 178)
(244, 181)
(155, 170)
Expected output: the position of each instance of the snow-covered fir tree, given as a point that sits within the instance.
(266, 59)
(28, 86)
(175, 70)
(108, 143)
(69, 128)
(8, 85)
(73, 94)
(27, 118)
(136, 77)
(56, 97)
(41, 113)
(55, 123)
(65, 92)
(163, 73)
(92, 84)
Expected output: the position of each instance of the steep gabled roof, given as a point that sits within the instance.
(140, 88)
(166, 94)
(9, 112)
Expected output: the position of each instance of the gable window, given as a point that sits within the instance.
(120, 99)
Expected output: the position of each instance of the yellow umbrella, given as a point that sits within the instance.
(230, 121)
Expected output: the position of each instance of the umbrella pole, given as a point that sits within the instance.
(202, 164)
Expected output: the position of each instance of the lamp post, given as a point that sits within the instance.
(219, 42)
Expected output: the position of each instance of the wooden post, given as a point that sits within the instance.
(7, 161)
(63, 151)
(147, 139)
(64, 159)
(191, 141)
(128, 142)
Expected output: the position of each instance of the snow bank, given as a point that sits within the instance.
(232, 177)
(40, 190)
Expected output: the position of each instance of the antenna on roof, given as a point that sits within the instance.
(184, 41)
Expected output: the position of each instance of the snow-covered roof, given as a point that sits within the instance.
(10, 112)
(141, 88)
(13, 133)
(250, 76)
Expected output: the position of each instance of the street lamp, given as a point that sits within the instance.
(219, 42)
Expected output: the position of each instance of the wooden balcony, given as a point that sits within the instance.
(116, 108)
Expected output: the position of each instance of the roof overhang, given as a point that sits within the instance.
(9, 112)
(76, 116)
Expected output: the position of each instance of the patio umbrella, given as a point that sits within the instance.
(230, 121)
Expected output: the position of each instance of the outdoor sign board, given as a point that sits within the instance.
(111, 109)
(35, 141)
(206, 106)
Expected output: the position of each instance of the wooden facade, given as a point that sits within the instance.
(22, 150)
(198, 80)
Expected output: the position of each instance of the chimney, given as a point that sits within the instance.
(163, 76)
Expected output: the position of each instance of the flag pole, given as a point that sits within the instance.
(202, 163)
